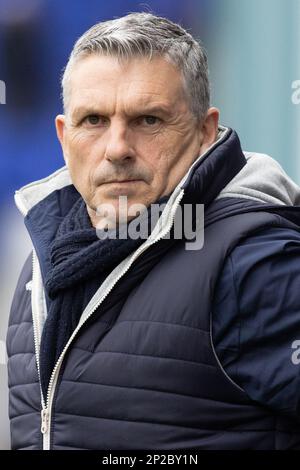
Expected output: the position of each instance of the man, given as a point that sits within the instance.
(130, 343)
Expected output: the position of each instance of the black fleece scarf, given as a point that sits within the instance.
(80, 261)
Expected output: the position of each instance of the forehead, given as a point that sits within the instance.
(137, 81)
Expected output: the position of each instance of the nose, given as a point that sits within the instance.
(118, 148)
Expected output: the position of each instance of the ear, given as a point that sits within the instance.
(60, 132)
(209, 128)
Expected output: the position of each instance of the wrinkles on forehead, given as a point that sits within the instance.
(100, 83)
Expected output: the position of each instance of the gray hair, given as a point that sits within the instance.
(145, 35)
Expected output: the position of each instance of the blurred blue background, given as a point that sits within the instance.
(254, 56)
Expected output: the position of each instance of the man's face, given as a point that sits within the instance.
(128, 131)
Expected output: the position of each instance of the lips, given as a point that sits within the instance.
(121, 181)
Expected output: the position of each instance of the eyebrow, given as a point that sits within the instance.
(82, 111)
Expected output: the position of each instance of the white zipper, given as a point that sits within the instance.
(90, 309)
(35, 307)
(44, 420)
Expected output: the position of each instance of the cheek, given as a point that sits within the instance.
(84, 149)
(80, 148)
(81, 161)
(161, 155)
(154, 151)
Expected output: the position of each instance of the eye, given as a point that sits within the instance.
(94, 120)
(150, 120)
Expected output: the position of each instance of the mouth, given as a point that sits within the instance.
(122, 181)
(121, 187)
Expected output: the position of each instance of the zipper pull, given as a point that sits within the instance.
(45, 420)
(28, 286)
